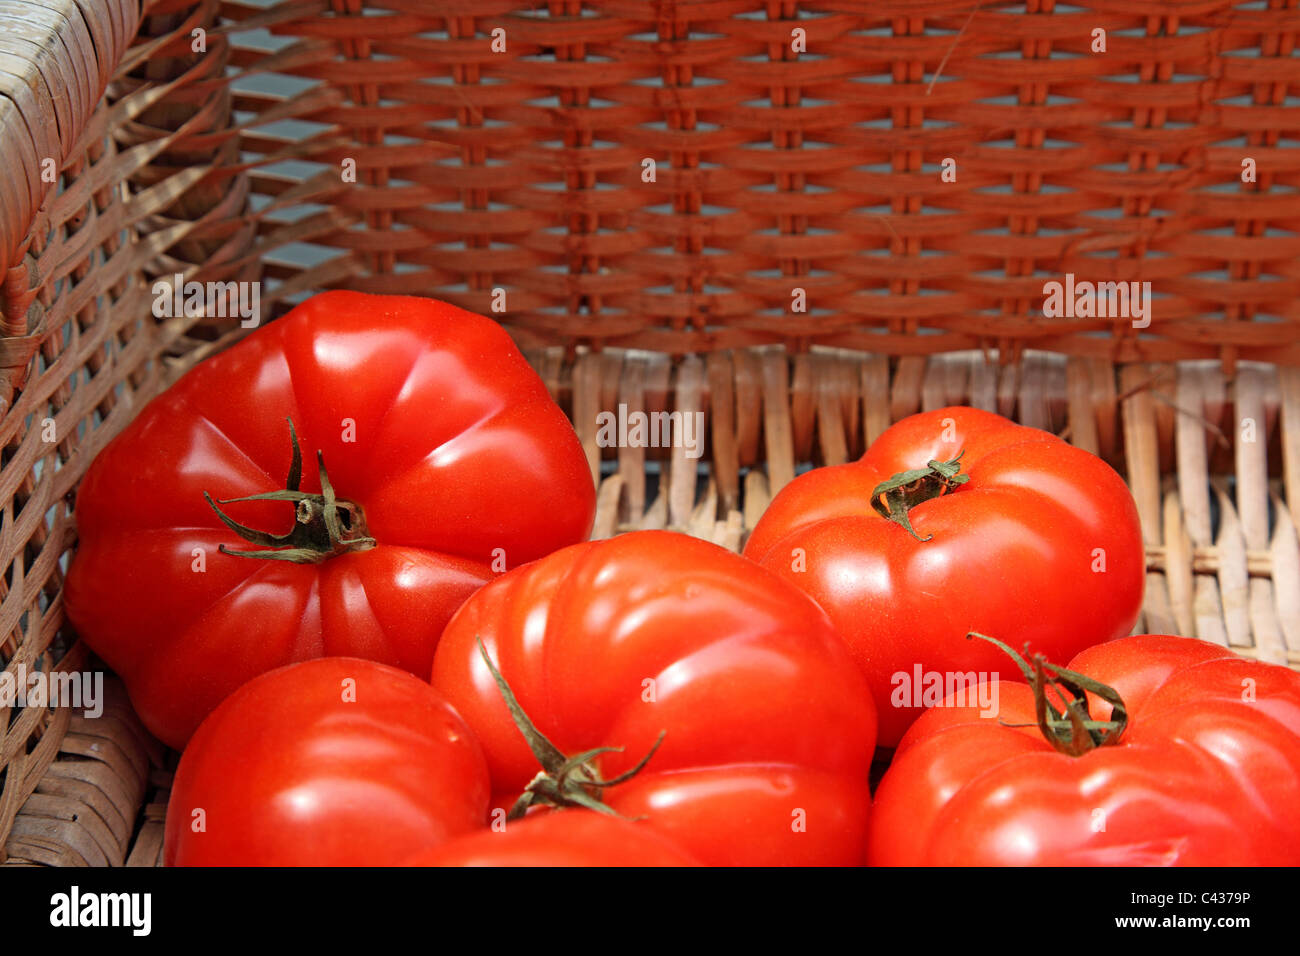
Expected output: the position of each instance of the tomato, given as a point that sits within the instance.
(768, 730)
(562, 838)
(1026, 537)
(1203, 771)
(331, 762)
(445, 456)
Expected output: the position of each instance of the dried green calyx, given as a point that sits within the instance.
(893, 499)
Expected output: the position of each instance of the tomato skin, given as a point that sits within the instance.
(561, 838)
(769, 728)
(427, 416)
(1013, 553)
(288, 772)
(1199, 778)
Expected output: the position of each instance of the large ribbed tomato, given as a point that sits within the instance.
(330, 762)
(446, 459)
(1206, 771)
(1012, 532)
(768, 728)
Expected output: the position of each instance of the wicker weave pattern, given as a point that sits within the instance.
(522, 171)
(83, 811)
(56, 56)
(65, 260)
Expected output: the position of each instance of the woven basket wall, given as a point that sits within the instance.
(795, 146)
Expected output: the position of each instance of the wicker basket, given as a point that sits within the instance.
(649, 185)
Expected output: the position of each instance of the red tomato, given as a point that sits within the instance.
(1041, 543)
(1205, 773)
(562, 838)
(444, 451)
(768, 729)
(331, 762)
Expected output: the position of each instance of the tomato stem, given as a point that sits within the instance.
(324, 526)
(563, 781)
(893, 499)
(1070, 729)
